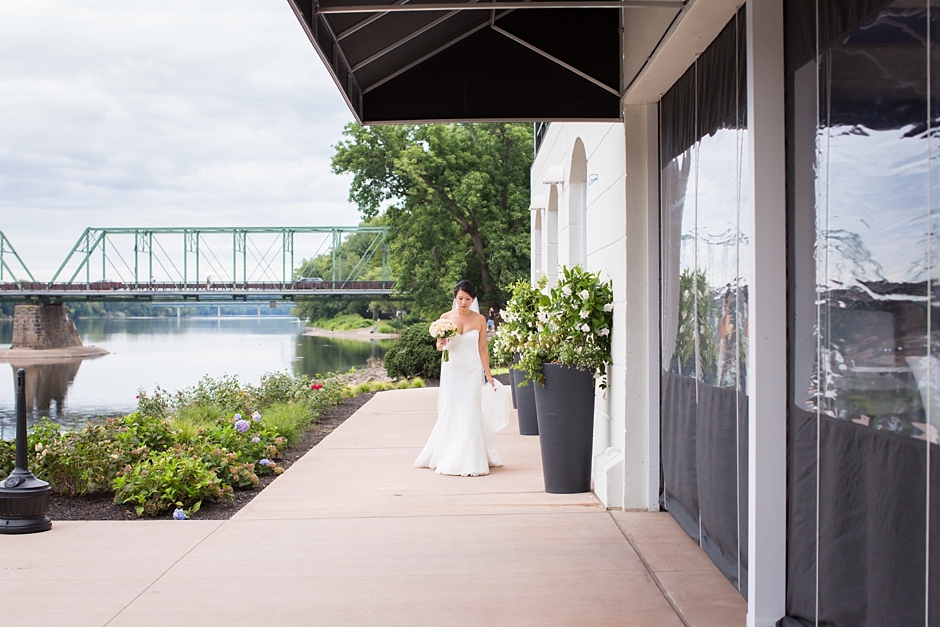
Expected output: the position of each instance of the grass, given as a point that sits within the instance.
(345, 322)
(191, 419)
(386, 328)
(290, 420)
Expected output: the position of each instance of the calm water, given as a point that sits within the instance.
(146, 352)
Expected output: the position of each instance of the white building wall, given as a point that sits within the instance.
(604, 240)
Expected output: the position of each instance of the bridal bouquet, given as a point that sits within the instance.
(441, 330)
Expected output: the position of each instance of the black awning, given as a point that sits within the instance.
(420, 61)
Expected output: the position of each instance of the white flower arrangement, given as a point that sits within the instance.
(521, 320)
(573, 325)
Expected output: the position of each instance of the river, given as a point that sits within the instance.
(172, 353)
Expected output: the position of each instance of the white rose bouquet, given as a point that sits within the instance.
(442, 329)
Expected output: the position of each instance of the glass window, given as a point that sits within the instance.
(704, 302)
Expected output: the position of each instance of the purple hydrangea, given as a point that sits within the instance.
(265, 461)
(256, 417)
(179, 514)
(242, 425)
(255, 440)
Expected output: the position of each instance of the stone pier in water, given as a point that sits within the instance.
(43, 327)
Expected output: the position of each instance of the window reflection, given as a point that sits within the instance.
(874, 250)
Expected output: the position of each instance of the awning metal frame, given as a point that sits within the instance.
(327, 42)
(501, 4)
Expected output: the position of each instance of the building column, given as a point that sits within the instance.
(767, 306)
(642, 442)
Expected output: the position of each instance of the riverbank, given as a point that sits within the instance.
(363, 335)
(26, 356)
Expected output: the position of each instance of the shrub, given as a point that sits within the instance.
(363, 388)
(414, 355)
(386, 328)
(167, 480)
(75, 462)
(403, 384)
(417, 382)
(7, 458)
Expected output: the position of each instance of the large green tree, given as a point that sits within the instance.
(456, 197)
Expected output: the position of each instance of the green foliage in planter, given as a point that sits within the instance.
(518, 329)
(414, 355)
(167, 480)
(573, 326)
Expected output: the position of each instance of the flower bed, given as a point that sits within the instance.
(180, 450)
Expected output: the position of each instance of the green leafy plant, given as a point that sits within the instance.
(519, 321)
(7, 458)
(573, 325)
(414, 355)
(167, 480)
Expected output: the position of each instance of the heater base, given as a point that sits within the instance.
(25, 525)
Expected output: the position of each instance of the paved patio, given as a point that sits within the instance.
(352, 534)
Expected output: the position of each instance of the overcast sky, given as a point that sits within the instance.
(169, 113)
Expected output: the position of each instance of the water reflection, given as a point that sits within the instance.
(171, 353)
(319, 355)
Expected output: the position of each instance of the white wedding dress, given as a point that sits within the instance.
(469, 413)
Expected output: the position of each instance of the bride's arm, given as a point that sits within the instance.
(485, 355)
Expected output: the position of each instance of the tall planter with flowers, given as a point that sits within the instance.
(571, 350)
(515, 336)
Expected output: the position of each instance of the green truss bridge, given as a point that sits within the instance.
(207, 264)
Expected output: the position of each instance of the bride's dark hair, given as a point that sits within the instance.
(467, 287)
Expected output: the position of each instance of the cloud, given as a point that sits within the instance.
(173, 113)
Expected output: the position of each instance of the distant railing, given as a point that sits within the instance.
(168, 286)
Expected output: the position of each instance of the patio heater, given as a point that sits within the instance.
(24, 499)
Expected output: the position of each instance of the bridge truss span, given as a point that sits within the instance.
(211, 263)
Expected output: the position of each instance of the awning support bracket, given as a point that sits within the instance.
(558, 61)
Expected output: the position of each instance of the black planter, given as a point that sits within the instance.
(525, 403)
(565, 409)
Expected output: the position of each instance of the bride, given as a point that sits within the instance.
(469, 413)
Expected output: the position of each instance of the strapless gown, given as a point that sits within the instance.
(469, 413)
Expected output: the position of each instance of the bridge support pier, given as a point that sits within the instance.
(44, 326)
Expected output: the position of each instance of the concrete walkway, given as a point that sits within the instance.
(352, 534)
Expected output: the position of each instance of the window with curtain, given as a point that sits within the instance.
(864, 524)
(704, 302)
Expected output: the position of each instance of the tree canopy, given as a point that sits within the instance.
(456, 197)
